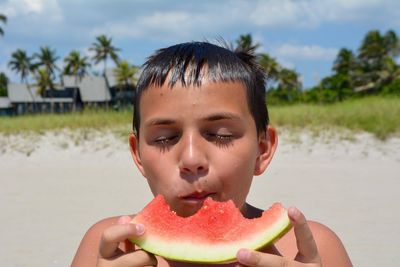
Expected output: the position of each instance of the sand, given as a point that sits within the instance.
(53, 187)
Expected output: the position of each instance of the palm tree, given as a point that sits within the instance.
(3, 84)
(288, 85)
(245, 43)
(391, 44)
(3, 19)
(271, 67)
(43, 80)
(372, 50)
(47, 58)
(345, 62)
(289, 80)
(21, 63)
(346, 70)
(125, 75)
(76, 66)
(103, 49)
(376, 58)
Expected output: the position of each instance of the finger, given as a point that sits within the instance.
(308, 252)
(251, 258)
(126, 246)
(113, 235)
(136, 258)
(124, 219)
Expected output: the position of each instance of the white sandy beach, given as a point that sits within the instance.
(54, 187)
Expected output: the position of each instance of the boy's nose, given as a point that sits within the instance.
(193, 158)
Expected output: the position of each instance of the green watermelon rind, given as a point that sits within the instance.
(212, 253)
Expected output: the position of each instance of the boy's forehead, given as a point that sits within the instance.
(204, 82)
(209, 94)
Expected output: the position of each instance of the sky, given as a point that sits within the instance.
(304, 35)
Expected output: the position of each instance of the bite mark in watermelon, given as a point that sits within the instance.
(213, 235)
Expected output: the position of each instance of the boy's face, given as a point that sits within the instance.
(198, 142)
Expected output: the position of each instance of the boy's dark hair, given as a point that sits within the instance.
(189, 63)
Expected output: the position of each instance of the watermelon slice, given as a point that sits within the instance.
(213, 235)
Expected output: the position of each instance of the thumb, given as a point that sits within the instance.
(114, 235)
(126, 246)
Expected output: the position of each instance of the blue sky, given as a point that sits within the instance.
(304, 35)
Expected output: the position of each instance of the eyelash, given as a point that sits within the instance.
(221, 140)
(218, 139)
(164, 141)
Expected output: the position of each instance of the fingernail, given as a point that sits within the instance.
(243, 255)
(294, 213)
(139, 229)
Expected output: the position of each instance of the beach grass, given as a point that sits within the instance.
(88, 119)
(377, 115)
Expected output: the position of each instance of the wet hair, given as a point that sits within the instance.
(190, 63)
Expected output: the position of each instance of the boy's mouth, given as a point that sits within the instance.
(197, 196)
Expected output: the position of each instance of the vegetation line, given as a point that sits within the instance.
(377, 115)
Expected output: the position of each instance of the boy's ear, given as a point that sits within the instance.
(134, 146)
(267, 144)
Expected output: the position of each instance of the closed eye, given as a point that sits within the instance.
(222, 140)
(165, 141)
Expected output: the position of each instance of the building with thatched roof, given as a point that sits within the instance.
(5, 106)
(121, 95)
(89, 90)
(26, 99)
(74, 93)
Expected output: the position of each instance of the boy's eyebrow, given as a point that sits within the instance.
(159, 121)
(222, 116)
(212, 117)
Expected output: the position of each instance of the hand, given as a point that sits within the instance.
(307, 249)
(116, 250)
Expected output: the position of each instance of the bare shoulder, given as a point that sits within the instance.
(330, 247)
(87, 253)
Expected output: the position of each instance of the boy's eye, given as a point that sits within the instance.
(164, 141)
(220, 139)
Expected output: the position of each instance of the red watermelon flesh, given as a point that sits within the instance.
(213, 235)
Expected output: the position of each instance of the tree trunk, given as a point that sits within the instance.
(74, 94)
(31, 95)
(104, 75)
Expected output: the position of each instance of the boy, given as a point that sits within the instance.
(201, 130)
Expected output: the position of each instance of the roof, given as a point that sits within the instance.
(20, 93)
(5, 102)
(94, 89)
(112, 81)
(69, 81)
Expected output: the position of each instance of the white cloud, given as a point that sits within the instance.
(50, 9)
(184, 22)
(307, 13)
(148, 25)
(161, 25)
(309, 52)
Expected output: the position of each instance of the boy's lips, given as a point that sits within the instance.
(197, 196)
